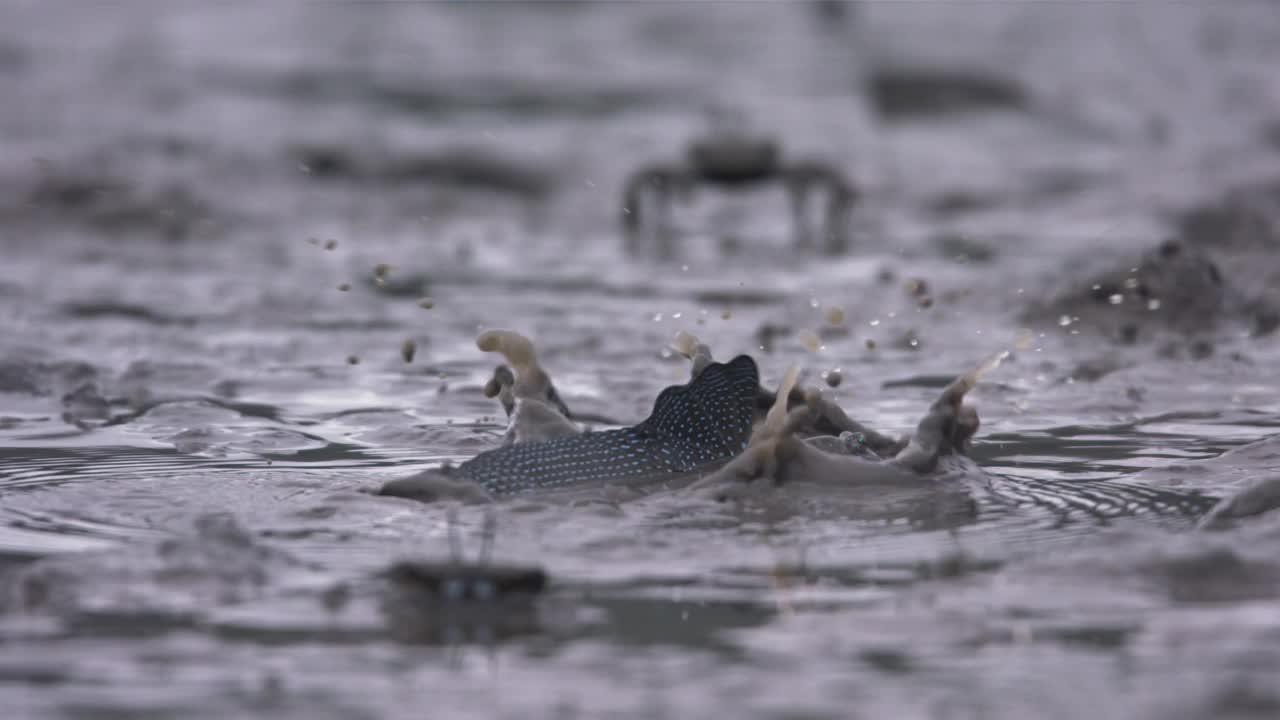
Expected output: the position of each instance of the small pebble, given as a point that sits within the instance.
(330, 244)
(336, 597)
(833, 377)
(353, 359)
(345, 287)
(381, 269)
(426, 303)
(726, 315)
(407, 350)
(871, 344)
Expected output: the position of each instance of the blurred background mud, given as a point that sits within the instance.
(200, 369)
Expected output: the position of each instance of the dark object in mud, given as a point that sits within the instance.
(732, 160)
(1175, 286)
(450, 603)
(457, 600)
(466, 167)
(1219, 268)
(85, 406)
(458, 582)
(767, 333)
(916, 92)
(1245, 217)
(171, 211)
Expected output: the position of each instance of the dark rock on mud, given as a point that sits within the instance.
(32, 377)
(464, 167)
(959, 248)
(94, 309)
(1244, 218)
(1218, 271)
(921, 92)
(102, 201)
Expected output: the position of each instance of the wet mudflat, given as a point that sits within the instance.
(203, 375)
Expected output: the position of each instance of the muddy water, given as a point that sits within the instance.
(186, 447)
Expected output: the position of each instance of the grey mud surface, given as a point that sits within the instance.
(186, 451)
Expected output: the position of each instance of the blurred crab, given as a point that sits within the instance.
(733, 159)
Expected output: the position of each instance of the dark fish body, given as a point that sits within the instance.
(693, 427)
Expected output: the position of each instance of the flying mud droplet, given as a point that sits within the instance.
(834, 315)
(330, 244)
(685, 343)
(916, 287)
(970, 379)
(726, 315)
(871, 344)
(353, 359)
(777, 414)
(344, 287)
(407, 350)
(1024, 339)
(809, 340)
(313, 241)
(909, 340)
(833, 377)
(426, 303)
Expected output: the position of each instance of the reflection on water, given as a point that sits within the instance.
(201, 376)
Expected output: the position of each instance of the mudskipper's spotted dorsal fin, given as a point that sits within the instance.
(693, 426)
(713, 411)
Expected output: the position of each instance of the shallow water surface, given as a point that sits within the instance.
(193, 414)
